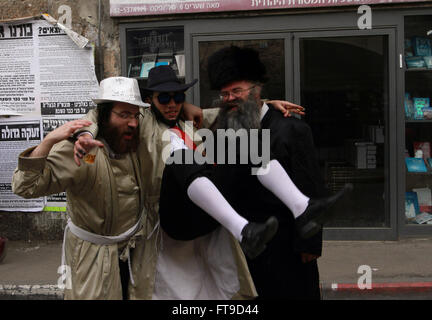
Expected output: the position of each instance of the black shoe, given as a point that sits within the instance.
(256, 235)
(311, 221)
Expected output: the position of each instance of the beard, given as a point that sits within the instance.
(160, 117)
(115, 138)
(243, 117)
(239, 114)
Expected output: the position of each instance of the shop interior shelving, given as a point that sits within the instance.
(418, 83)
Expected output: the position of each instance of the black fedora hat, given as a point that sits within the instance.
(164, 79)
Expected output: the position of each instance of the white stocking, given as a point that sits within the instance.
(280, 184)
(205, 195)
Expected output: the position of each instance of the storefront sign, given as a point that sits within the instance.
(121, 8)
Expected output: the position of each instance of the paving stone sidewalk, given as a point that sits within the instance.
(398, 269)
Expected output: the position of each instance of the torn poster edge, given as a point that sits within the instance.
(78, 39)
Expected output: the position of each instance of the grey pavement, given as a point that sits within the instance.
(29, 270)
(390, 261)
(398, 270)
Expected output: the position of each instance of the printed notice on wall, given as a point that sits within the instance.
(44, 75)
(43, 72)
(15, 137)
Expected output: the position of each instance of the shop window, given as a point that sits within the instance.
(150, 47)
(344, 87)
(418, 119)
(272, 54)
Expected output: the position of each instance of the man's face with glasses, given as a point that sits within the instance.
(169, 103)
(237, 91)
(122, 130)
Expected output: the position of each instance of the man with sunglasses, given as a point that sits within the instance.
(104, 196)
(167, 106)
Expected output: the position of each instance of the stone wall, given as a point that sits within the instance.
(32, 225)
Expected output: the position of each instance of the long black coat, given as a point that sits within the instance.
(279, 271)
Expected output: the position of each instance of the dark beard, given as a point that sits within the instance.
(161, 118)
(113, 137)
(246, 116)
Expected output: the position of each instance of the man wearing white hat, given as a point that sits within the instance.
(105, 195)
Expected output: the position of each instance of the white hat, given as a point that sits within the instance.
(120, 89)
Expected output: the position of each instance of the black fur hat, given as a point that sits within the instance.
(235, 64)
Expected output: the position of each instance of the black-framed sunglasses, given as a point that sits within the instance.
(165, 97)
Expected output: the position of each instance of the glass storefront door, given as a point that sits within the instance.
(343, 82)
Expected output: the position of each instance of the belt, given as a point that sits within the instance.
(100, 240)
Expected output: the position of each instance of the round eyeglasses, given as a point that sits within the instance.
(127, 115)
(237, 92)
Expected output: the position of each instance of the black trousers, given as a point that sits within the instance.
(179, 217)
(125, 277)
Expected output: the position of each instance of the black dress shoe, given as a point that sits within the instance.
(256, 235)
(312, 219)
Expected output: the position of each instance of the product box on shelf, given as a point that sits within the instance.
(415, 62)
(427, 113)
(409, 107)
(415, 164)
(424, 199)
(428, 61)
(412, 207)
(419, 104)
(421, 46)
(424, 146)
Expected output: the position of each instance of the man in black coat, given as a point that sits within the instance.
(290, 260)
(288, 267)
